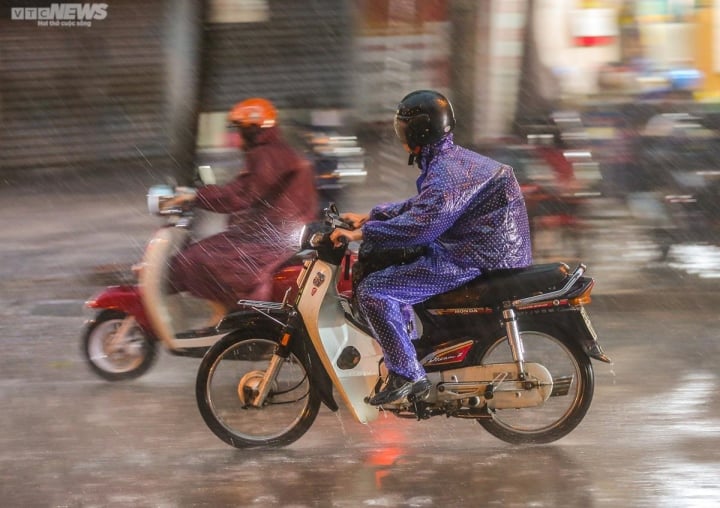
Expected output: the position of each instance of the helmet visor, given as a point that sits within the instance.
(401, 127)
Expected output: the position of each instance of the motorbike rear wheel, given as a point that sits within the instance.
(572, 393)
(227, 378)
(113, 359)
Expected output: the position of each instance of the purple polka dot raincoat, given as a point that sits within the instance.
(470, 214)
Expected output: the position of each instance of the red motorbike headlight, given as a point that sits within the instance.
(156, 195)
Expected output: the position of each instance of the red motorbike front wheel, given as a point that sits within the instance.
(114, 357)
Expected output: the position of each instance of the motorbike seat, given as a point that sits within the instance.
(498, 286)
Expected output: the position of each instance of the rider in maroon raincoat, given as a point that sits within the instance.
(268, 201)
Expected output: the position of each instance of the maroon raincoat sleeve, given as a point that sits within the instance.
(244, 190)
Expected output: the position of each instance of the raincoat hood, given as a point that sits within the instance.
(268, 135)
(428, 152)
(264, 136)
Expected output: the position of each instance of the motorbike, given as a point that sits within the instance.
(133, 322)
(511, 350)
(338, 159)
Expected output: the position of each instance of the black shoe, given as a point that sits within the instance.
(397, 387)
(420, 389)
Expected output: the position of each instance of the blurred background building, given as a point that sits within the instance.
(149, 83)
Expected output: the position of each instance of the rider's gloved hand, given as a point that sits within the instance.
(355, 219)
(178, 200)
(352, 236)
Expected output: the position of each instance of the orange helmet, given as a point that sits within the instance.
(255, 111)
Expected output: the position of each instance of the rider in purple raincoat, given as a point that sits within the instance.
(469, 213)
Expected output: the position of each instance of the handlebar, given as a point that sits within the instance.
(179, 209)
(344, 242)
(323, 238)
(158, 197)
(331, 222)
(333, 218)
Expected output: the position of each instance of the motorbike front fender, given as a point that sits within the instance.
(301, 346)
(125, 298)
(321, 380)
(153, 280)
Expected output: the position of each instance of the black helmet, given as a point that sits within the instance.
(423, 117)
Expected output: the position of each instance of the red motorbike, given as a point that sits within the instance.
(132, 322)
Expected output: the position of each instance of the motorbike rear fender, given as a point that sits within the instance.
(576, 324)
(125, 298)
(301, 346)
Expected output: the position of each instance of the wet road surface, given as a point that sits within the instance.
(68, 438)
(651, 437)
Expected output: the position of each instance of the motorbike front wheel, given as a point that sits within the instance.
(115, 358)
(227, 379)
(573, 386)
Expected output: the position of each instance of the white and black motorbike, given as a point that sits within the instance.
(511, 350)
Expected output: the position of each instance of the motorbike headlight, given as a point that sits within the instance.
(156, 195)
(300, 238)
(311, 234)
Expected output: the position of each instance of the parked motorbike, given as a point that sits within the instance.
(338, 159)
(133, 321)
(511, 350)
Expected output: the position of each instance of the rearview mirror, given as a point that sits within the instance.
(206, 175)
